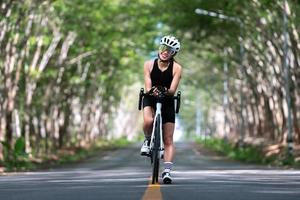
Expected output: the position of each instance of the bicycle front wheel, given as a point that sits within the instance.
(156, 150)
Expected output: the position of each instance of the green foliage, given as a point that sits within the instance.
(17, 158)
(120, 142)
(118, 31)
(19, 149)
(248, 153)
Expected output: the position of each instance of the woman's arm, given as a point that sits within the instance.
(177, 70)
(147, 77)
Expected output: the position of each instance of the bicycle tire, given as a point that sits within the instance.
(156, 153)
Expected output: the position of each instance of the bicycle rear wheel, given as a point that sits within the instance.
(156, 151)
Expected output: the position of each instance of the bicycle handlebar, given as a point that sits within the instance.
(178, 98)
(160, 96)
(140, 98)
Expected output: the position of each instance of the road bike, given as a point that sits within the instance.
(156, 142)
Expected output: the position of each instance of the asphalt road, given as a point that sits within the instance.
(123, 174)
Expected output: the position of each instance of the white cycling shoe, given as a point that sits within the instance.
(145, 150)
(166, 176)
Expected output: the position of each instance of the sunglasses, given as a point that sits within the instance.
(163, 48)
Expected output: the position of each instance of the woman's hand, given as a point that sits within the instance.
(157, 90)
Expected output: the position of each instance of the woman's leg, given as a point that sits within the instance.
(168, 130)
(148, 121)
(147, 126)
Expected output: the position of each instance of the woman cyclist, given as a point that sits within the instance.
(165, 72)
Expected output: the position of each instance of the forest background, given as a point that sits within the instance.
(71, 70)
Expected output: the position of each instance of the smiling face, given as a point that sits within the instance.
(165, 52)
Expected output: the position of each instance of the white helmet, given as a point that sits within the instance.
(171, 41)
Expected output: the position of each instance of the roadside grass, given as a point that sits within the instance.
(249, 153)
(20, 161)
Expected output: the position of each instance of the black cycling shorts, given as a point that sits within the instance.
(167, 110)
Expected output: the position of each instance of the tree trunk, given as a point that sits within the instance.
(9, 133)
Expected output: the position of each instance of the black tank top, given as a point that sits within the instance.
(159, 78)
